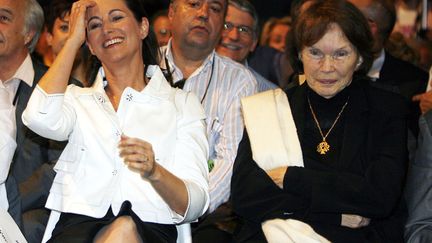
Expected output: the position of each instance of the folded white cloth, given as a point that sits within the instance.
(271, 129)
(290, 231)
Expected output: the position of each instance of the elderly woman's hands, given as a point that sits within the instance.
(354, 221)
(138, 155)
(277, 175)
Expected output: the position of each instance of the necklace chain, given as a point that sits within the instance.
(323, 147)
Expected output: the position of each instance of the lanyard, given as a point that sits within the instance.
(180, 83)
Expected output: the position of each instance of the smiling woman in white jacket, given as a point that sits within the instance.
(137, 151)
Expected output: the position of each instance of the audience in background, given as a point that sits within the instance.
(219, 83)
(161, 27)
(418, 228)
(57, 25)
(43, 52)
(240, 37)
(274, 33)
(398, 47)
(31, 172)
(391, 73)
(408, 16)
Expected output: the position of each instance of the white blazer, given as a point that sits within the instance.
(91, 176)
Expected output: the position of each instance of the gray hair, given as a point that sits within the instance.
(33, 21)
(246, 6)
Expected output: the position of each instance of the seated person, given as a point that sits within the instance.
(240, 37)
(352, 137)
(136, 159)
(161, 27)
(7, 143)
(57, 25)
(418, 228)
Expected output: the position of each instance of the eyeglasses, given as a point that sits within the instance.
(243, 30)
(318, 56)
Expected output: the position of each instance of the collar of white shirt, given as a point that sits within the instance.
(176, 71)
(25, 72)
(155, 87)
(375, 70)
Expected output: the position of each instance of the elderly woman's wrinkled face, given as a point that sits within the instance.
(329, 64)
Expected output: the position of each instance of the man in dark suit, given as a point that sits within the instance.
(418, 228)
(30, 174)
(388, 72)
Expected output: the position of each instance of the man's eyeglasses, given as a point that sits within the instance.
(243, 30)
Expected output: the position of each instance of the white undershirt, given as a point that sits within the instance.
(374, 71)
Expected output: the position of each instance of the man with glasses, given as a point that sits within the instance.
(240, 37)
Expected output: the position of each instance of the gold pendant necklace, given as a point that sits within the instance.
(323, 147)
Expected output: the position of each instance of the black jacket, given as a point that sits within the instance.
(367, 180)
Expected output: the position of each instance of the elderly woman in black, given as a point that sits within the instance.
(352, 138)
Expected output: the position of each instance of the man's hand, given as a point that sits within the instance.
(425, 100)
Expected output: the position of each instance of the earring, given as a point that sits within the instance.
(360, 61)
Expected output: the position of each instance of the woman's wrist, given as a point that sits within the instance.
(155, 174)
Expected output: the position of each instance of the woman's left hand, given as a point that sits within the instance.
(277, 175)
(138, 155)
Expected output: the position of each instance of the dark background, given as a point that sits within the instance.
(265, 8)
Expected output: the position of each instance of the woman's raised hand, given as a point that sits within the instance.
(78, 23)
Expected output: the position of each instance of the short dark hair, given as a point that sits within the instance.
(56, 9)
(225, 9)
(316, 20)
(159, 13)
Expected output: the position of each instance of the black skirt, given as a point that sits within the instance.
(76, 228)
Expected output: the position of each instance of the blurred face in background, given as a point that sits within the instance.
(238, 36)
(278, 36)
(162, 29)
(57, 38)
